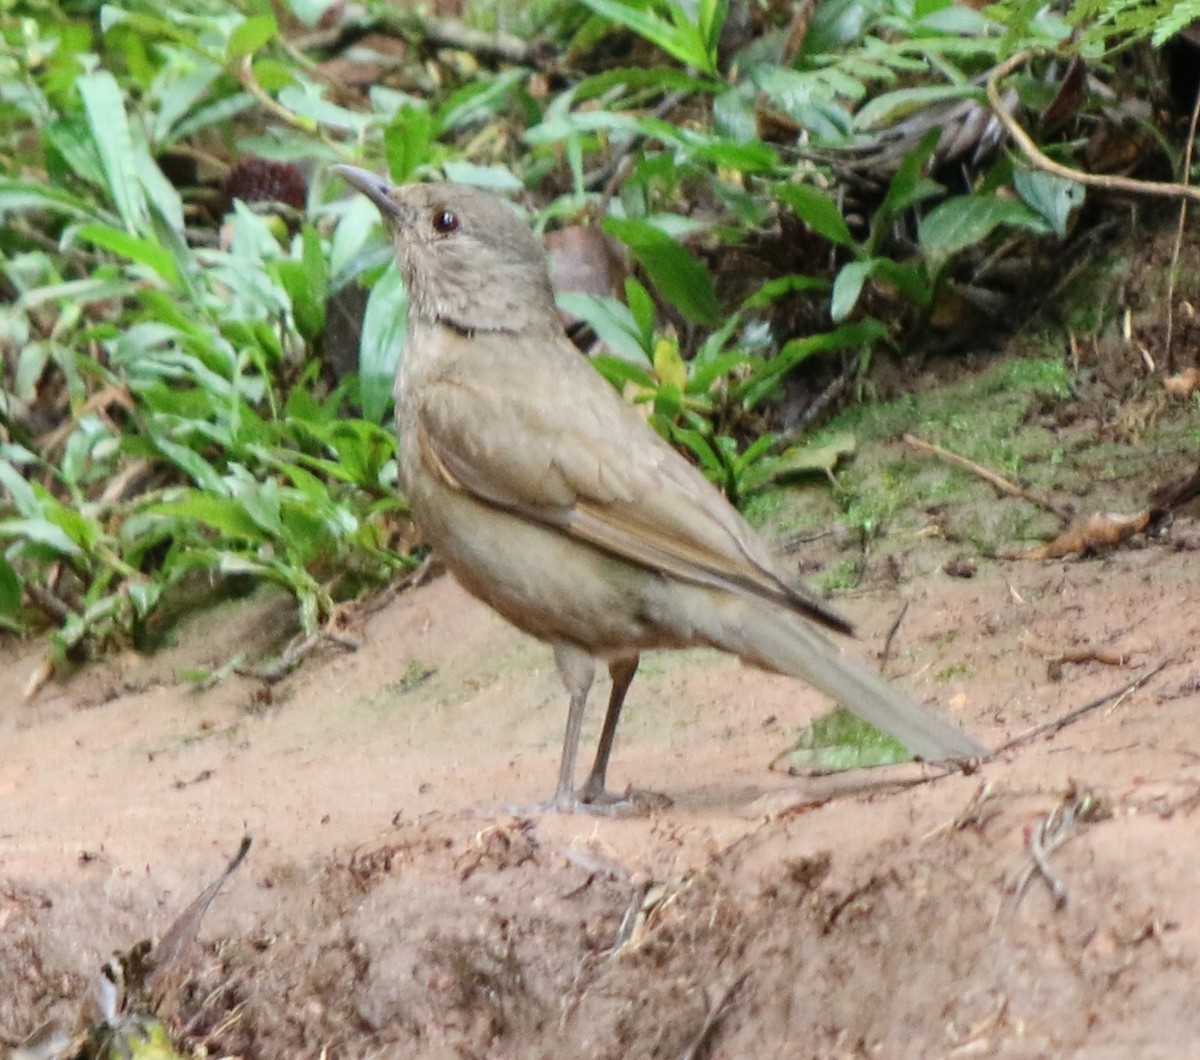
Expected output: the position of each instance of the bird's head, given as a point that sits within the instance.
(468, 259)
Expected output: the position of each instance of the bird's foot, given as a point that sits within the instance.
(597, 799)
(599, 802)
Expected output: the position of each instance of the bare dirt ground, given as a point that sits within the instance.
(393, 905)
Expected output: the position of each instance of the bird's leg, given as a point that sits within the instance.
(577, 670)
(621, 671)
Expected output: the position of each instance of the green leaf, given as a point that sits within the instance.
(909, 186)
(807, 459)
(148, 252)
(272, 75)
(839, 741)
(641, 308)
(619, 371)
(685, 40)
(109, 124)
(192, 464)
(891, 106)
(679, 276)
(10, 588)
(305, 283)
(408, 142)
(18, 196)
(613, 323)
(226, 515)
(860, 334)
(848, 286)
(21, 493)
(781, 286)
(42, 532)
(1053, 197)
(967, 220)
(383, 330)
(817, 210)
(251, 35)
(490, 178)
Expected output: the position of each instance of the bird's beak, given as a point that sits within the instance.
(374, 187)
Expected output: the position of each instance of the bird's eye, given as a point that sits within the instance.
(445, 221)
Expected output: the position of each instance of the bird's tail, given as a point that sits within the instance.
(786, 643)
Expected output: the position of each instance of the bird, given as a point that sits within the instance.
(552, 499)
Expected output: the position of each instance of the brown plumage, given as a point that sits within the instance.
(552, 500)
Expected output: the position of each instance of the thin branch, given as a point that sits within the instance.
(1073, 716)
(988, 476)
(1173, 271)
(1035, 155)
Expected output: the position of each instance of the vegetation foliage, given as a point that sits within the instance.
(173, 249)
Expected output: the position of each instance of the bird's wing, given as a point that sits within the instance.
(590, 466)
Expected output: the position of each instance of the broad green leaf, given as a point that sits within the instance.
(17, 196)
(668, 364)
(1053, 197)
(641, 308)
(272, 75)
(490, 178)
(10, 588)
(384, 326)
(308, 105)
(679, 276)
(104, 105)
(619, 371)
(179, 88)
(860, 334)
(967, 220)
(42, 532)
(217, 113)
(848, 286)
(890, 107)
(817, 210)
(192, 464)
(613, 323)
(752, 157)
(806, 459)
(20, 492)
(250, 36)
(683, 41)
(839, 741)
(69, 142)
(408, 142)
(160, 192)
(226, 515)
(141, 251)
(781, 286)
(479, 100)
(81, 529)
(909, 185)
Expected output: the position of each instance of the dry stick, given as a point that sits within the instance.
(1173, 271)
(1073, 716)
(991, 477)
(700, 1043)
(1032, 152)
(1040, 848)
(887, 644)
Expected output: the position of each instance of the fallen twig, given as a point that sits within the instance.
(716, 1013)
(1073, 716)
(1050, 833)
(1042, 161)
(891, 635)
(988, 476)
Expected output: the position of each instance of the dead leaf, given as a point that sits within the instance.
(1097, 533)
(1184, 384)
